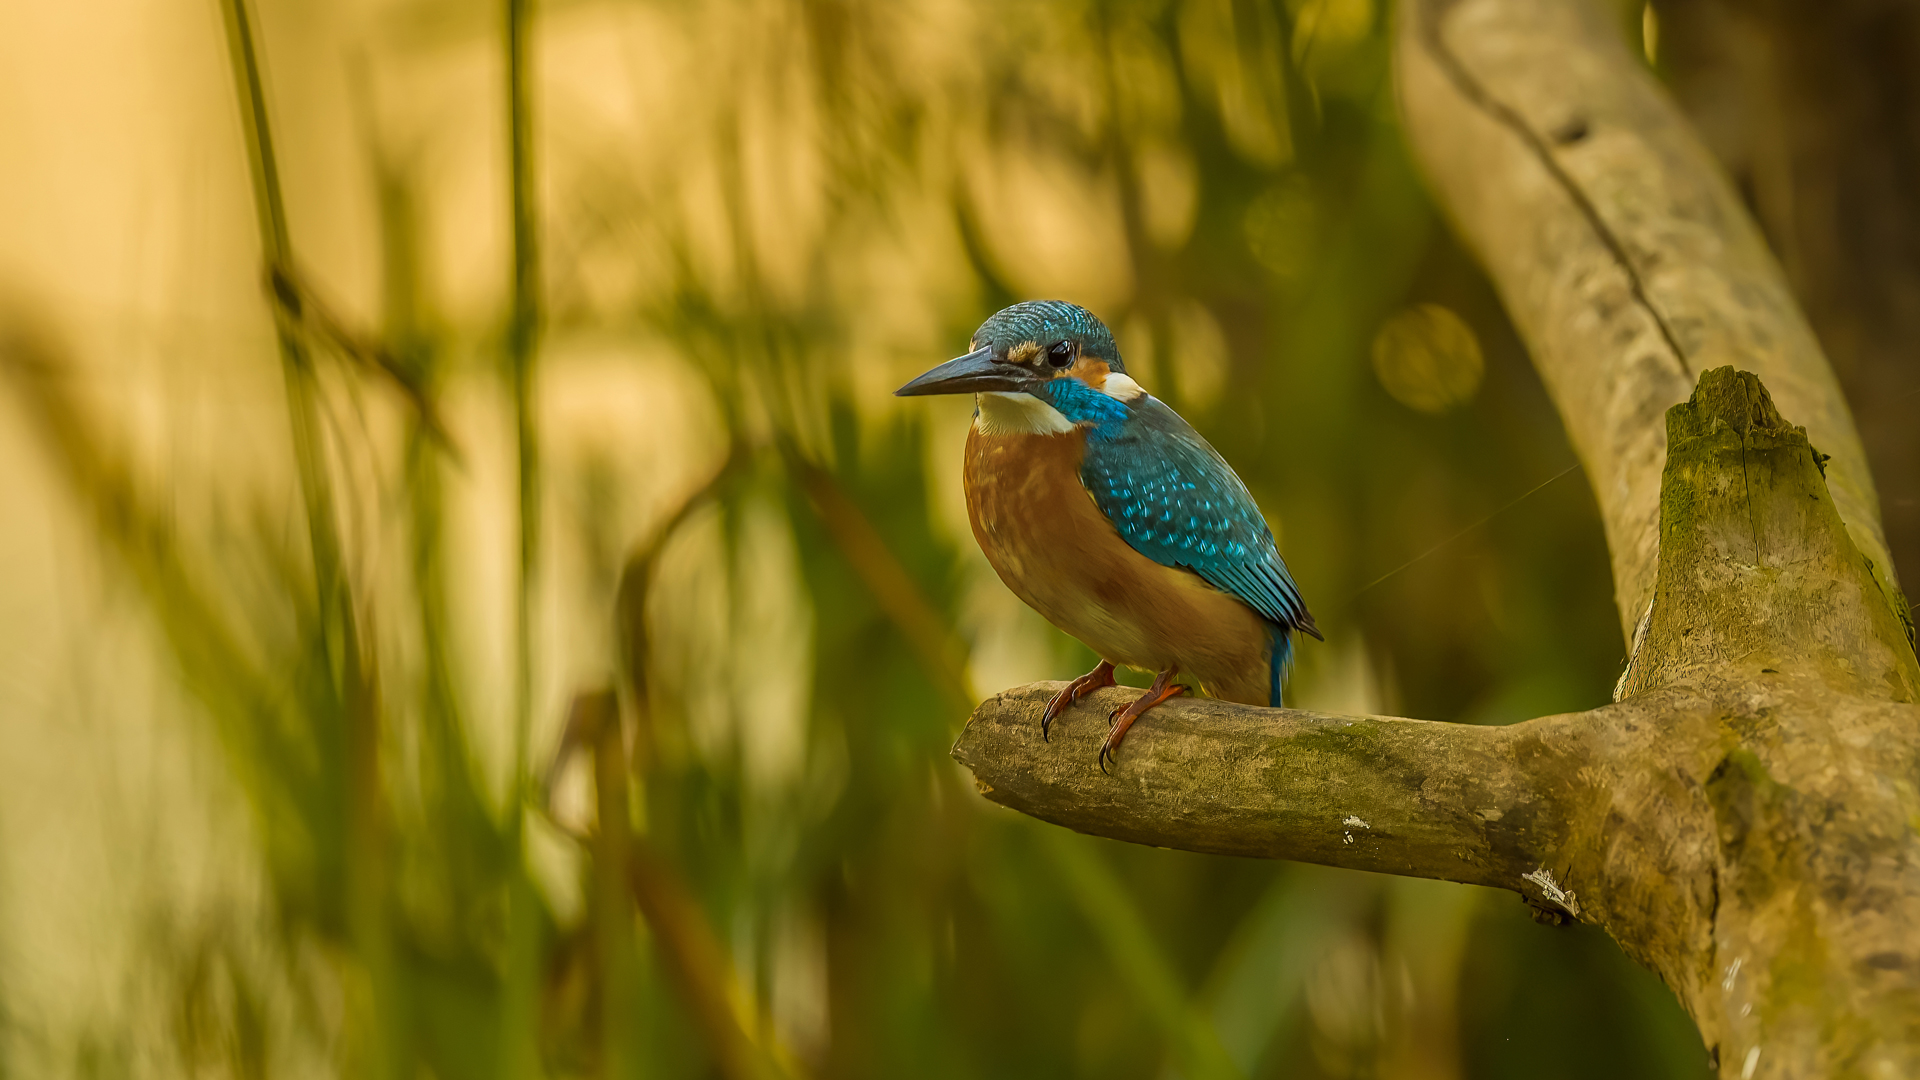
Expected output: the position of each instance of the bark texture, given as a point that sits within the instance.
(1374, 793)
(1627, 262)
(1745, 818)
(1757, 574)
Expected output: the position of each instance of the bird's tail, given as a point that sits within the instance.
(1281, 661)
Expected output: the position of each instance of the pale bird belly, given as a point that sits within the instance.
(1052, 546)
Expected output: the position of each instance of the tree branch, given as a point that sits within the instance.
(1398, 796)
(1742, 820)
(1615, 242)
(1745, 810)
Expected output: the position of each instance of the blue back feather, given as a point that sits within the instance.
(1175, 500)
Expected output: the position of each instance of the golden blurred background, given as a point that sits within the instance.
(503, 625)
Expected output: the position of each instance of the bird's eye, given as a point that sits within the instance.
(1060, 354)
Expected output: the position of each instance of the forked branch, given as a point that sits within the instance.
(1741, 820)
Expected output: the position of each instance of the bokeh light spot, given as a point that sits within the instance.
(1280, 228)
(1428, 358)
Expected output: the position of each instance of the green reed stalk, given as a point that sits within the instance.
(353, 692)
(519, 1047)
(523, 331)
(276, 250)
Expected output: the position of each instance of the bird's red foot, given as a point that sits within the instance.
(1097, 679)
(1163, 688)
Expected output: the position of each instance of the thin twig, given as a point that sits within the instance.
(1516, 501)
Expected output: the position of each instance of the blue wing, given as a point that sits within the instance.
(1175, 500)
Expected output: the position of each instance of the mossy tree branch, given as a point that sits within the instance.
(1744, 819)
(1373, 793)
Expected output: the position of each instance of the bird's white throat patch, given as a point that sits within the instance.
(1004, 413)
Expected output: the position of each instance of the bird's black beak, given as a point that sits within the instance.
(968, 374)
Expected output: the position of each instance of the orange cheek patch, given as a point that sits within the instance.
(1023, 352)
(1090, 370)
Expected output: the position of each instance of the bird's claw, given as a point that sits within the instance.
(1109, 748)
(1058, 704)
(1101, 676)
(1122, 718)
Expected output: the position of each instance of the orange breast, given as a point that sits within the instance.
(1057, 551)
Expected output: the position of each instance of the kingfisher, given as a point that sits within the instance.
(1108, 514)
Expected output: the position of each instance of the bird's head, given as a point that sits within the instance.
(1025, 348)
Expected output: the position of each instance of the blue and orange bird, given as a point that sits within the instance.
(1108, 514)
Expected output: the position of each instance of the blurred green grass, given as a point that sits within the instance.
(587, 669)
